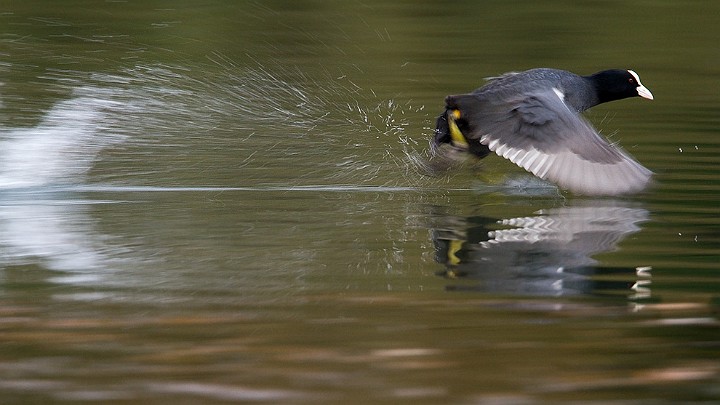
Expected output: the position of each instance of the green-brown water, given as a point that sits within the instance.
(226, 201)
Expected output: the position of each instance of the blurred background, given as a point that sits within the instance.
(234, 201)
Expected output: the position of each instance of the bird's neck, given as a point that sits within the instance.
(586, 96)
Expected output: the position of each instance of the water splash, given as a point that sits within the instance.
(61, 148)
(41, 219)
(150, 126)
(262, 125)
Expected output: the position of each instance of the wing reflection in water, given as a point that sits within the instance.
(547, 254)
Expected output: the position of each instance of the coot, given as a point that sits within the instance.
(533, 119)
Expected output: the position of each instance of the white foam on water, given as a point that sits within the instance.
(60, 149)
(38, 225)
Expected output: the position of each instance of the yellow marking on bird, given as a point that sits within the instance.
(453, 249)
(455, 134)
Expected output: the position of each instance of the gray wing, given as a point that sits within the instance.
(539, 133)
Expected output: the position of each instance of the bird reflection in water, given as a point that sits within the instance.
(546, 254)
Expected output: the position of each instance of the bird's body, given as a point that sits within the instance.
(533, 119)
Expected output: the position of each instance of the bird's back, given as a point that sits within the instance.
(575, 89)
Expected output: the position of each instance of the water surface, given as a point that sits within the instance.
(231, 202)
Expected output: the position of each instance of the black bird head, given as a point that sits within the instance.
(617, 84)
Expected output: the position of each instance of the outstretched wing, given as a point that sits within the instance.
(539, 133)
